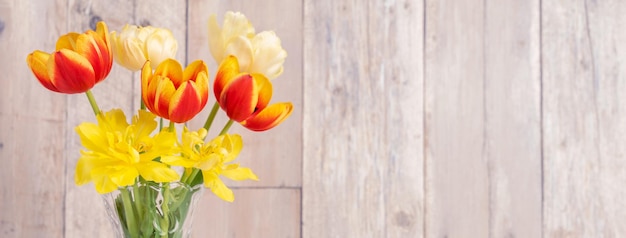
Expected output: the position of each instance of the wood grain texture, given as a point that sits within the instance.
(457, 166)
(31, 125)
(584, 118)
(512, 107)
(256, 212)
(362, 174)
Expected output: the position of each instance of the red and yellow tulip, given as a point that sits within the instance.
(79, 62)
(175, 94)
(245, 97)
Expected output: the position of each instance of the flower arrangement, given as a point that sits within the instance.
(151, 175)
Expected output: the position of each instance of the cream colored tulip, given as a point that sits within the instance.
(134, 45)
(256, 53)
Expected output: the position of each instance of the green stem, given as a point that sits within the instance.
(226, 127)
(131, 223)
(172, 126)
(93, 103)
(209, 120)
(142, 105)
(192, 177)
(165, 222)
(160, 123)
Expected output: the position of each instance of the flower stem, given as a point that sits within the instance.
(142, 105)
(165, 222)
(209, 120)
(93, 103)
(226, 127)
(172, 126)
(131, 224)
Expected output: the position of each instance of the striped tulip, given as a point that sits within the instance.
(175, 94)
(79, 62)
(245, 97)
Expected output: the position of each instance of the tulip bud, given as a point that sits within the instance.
(245, 98)
(257, 53)
(79, 62)
(135, 45)
(175, 94)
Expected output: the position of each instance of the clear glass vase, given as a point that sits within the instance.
(149, 209)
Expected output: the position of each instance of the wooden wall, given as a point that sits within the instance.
(431, 118)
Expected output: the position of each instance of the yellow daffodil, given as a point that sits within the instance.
(117, 153)
(213, 159)
(134, 45)
(257, 53)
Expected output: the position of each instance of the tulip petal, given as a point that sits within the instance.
(269, 117)
(229, 68)
(37, 61)
(146, 75)
(198, 72)
(216, 41)
(70, 72)
(265, 90)
(90, 46)
(67, 41)
(185, 103)
(269, 55)
(164, 91)
(240, 47)
(160, 45)
(171, 69)
(239, 98)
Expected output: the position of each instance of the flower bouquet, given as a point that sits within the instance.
(149, 172)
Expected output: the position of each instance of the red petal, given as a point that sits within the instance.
(185, 103)
(269, 117)
(37, 62)
(70, 72)
(227, 72)
(240, 97)
(93, 48)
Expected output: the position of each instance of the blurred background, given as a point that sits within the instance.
(413, 118)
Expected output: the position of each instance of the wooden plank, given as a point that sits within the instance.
(31, 127)
(513, 118)
(457, 176)
(584, 118)
(362, 173)
(255, 213)
(274, 155)
(85, 214)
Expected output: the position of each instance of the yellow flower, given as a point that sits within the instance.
(212, 159)
(257, 53)
(118, 152)
(134, 45)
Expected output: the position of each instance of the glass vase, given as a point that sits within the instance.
(149, 209)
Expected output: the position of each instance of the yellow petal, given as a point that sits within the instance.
(91, 137)
(217, 187)
(157, 172)
(237, 173)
